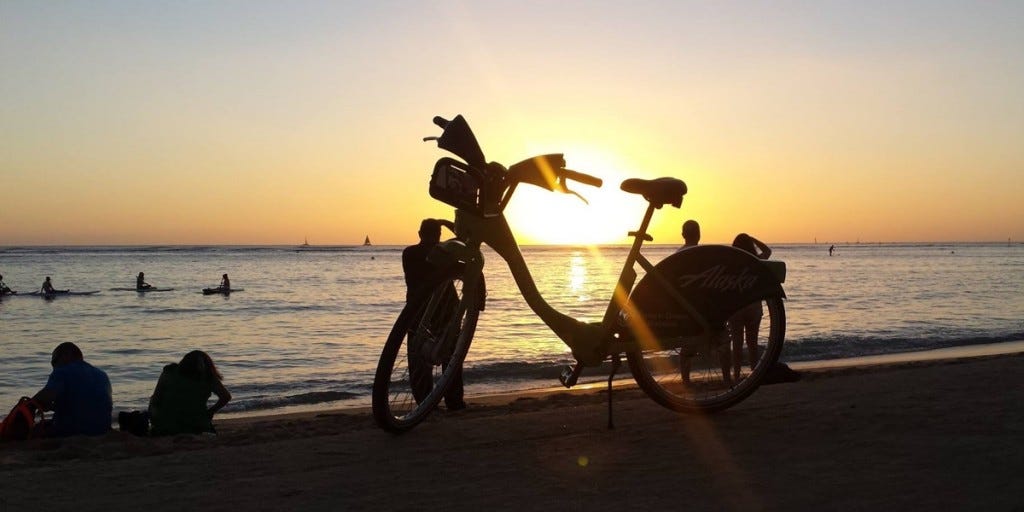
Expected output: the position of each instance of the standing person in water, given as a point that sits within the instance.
(140, 282)
(691, 238)
(831, 249)
(745, 324)
(691, 234)
(417, 269)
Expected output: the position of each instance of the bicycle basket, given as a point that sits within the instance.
(452, 183)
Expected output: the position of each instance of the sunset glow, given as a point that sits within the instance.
(142, 123)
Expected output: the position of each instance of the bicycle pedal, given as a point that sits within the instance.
(570, 375)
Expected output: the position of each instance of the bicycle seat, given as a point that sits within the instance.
(658, 192)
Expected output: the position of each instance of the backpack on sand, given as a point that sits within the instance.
(20, 424)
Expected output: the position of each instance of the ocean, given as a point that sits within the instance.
(307, 330)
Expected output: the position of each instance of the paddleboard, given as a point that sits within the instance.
(219, 291)
(142, 290)
(58, 293)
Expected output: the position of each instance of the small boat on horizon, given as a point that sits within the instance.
(305, 242)
(366, 242)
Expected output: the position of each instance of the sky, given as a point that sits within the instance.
(248, 122)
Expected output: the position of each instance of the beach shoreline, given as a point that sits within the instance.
(863, 363)
(911, 436)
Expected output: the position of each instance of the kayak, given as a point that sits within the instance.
(56, 293)
(141, 290)
(220, 291)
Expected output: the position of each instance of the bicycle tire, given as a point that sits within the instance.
(395, 407)
(660, 373)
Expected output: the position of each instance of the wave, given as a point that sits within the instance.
(274, 402)
(510, 375)
(841, 346)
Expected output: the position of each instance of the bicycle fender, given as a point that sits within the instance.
(715, 280)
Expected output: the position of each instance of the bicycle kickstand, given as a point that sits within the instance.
(616, 363)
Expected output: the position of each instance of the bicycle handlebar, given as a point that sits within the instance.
(585, 179)
(548, 171)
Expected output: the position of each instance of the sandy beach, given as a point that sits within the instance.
(911, 436)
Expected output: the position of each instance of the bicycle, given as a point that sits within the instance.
(673, 326)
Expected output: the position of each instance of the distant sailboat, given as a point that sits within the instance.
(305, 242)
(367, 241)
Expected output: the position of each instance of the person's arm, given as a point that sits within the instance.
(447, 223)
(46, 397)
(766, 252)
(407, 270)
(158, 393)
(223, 397)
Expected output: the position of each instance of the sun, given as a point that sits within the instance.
(538, 216)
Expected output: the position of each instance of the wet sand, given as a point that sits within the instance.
(940, 434)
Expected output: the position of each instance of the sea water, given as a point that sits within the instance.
(307, 330)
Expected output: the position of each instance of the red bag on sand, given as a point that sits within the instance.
(20, 424)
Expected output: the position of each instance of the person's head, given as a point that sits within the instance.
(141, 274)
(47, 278)
(691, 232)
(743, 241)
(430, 231)
(225, 276)
(198, 365)
(65, 353)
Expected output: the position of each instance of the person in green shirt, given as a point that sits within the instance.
(179, 402)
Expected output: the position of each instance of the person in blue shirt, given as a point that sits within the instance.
(78, 393)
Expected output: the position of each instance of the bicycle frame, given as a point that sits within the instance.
(480, 192)
(591, 343)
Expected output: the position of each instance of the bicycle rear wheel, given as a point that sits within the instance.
(424, 353)
(721, 373)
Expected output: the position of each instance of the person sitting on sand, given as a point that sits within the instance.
(178, 404)
(745, 324)
(78, 393)
(140, 282)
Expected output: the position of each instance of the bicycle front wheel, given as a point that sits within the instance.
(422, 358)
(721, 372)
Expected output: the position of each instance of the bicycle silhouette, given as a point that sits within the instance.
(673, 326)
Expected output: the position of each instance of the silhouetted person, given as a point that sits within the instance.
(691, 234)
(78, 393)
(691, 237)
(225, 283)
(140, 282)
(178, 404)
(47, 287)
(831, 249)
(417, 269)
(745, 323)
(4, 289)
